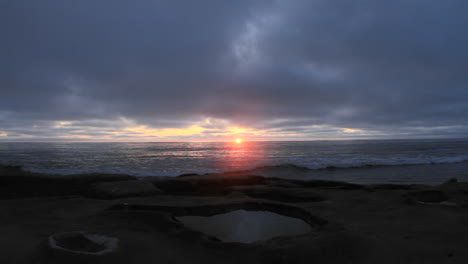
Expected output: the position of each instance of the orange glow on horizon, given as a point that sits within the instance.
(166, 132)
(238, 140)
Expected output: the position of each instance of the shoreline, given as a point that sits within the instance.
(361, 223)
(430, 173)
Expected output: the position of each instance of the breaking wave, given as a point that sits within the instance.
(300, 165)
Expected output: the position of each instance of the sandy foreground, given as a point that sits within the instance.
(350, 223)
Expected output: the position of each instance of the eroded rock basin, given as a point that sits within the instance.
(246, 226)
(83, 243)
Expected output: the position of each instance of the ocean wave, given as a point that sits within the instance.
(364, 163)
(131, 172)
(295, 165)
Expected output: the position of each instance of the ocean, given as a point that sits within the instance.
(361, 161)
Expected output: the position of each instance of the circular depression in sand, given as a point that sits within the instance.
(246, 226)
(82, 242)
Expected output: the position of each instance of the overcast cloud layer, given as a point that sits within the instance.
(177, 70)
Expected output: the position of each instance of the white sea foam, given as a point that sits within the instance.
(388, 161)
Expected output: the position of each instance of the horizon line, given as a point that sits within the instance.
(244, 140)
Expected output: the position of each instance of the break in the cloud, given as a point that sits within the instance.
(211, 69)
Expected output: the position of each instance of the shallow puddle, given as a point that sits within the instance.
(246, 226)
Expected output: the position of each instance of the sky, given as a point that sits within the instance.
(173, 70)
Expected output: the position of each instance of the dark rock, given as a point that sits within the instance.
(452, 180)
(329, 184)
(16, 183)
(280, 194)
(209, 184)
(83, 243)
(188, 174)
(392, 186)
(428, 196)
(120, 189)
(9, 170)
(79, 243)
(210, 210)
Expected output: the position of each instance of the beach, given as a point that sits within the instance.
(349, 222)
(233, 132)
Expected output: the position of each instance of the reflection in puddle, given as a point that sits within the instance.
(246, 226)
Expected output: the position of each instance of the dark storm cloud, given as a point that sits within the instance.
(391, 68)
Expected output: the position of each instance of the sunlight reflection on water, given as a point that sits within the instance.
(246, 226)
(175, 158)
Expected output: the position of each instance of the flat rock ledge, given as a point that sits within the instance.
(118, 189)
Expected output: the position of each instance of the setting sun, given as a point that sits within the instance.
(238, 140)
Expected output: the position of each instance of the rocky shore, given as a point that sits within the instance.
(97, 218)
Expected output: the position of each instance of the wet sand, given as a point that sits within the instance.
(350, 223)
